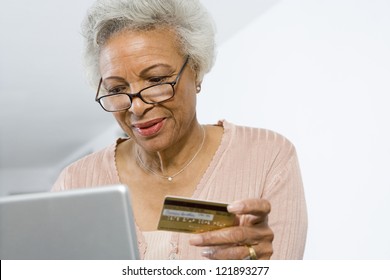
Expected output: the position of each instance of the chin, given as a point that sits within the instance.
(155, 143)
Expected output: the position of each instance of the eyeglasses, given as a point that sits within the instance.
(119, 100)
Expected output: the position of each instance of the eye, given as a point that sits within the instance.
(118, 89)
(158, 80)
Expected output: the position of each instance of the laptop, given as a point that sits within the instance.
(92, 223)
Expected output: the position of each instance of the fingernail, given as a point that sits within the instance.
(196, 240)
(235, 207)
(207, 252)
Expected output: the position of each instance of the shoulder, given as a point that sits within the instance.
(262, 147)
(98, 158)
(95, 169)
(258, 138)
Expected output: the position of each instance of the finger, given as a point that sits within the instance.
(251, 220)
(233, 236)
(262, 251)
(224, 253)
(254, 206)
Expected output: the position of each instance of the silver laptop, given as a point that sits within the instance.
(93, 223)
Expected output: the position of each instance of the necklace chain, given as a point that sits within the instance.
(170, 178)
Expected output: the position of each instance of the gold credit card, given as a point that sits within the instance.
(193, 216)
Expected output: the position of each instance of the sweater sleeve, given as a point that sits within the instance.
(288, 217)
(59, 185)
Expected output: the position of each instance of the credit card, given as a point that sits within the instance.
(193, 216)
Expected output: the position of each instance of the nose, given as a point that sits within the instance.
(138, 107)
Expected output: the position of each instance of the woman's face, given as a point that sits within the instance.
(139, 59)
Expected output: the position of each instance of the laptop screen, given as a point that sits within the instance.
(91, 223)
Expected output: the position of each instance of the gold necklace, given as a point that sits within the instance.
(170, 178)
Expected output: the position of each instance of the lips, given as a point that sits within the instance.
(149, 128)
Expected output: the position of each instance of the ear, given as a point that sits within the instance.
(198, 86)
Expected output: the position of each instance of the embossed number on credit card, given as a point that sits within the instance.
(194, 216)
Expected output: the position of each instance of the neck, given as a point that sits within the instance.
(177, 158)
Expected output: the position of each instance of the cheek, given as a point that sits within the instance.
(187, 94)
(185, 109)
(120, 117)
(190, 99)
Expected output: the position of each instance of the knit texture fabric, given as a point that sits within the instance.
(249, 163)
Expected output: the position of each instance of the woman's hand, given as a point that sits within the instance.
(234, 242)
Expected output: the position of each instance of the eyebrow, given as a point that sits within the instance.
(142, 73)
(147, 69)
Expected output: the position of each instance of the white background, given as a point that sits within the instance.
(316, 71)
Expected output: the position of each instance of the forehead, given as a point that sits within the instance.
(139, 48)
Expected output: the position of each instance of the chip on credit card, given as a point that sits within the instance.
(194, 216)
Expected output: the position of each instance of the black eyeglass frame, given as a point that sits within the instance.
(138, 94)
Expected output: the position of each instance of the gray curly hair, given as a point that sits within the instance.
(191, 22)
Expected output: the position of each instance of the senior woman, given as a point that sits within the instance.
(147, 59)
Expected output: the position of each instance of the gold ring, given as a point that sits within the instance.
(252, 252)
